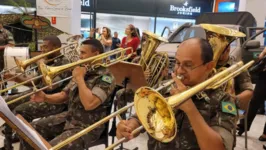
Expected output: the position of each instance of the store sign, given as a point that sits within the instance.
(85, 3)
(185, 9)
(57, 8)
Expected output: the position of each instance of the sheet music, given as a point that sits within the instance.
(21, 125)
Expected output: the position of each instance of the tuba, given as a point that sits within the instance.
(153, 61)
(220, 39)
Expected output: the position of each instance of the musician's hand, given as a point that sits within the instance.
(125, 128)
(147, 74)
(8, 75)
(179, 87)
(79, 73)
(263, 53)
(38, 97)
(102, 37)
(40, 61)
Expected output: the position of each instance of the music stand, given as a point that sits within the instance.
(129, 76)
(134, 73)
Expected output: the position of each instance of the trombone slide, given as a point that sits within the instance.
(124, 139)
(88, 129)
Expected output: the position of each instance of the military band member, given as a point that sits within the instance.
(207, 123)
(242, 83)
(32, 110)
(88, 96)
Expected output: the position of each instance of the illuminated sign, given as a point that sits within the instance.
(85, 3)
(185, 9)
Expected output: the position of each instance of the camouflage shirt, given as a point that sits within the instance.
(211, 108)
(57, 62)
(243, 81)
(6, 37)
(102, 84)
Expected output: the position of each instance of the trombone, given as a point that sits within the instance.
(22, 65)
(173, 101)
(48, 73)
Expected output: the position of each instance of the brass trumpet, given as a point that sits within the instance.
(48, 73)
(22, 65)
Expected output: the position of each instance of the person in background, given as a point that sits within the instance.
(256, 102)
(115, 41)
(105, 38)
(131, 40)
(6, 39)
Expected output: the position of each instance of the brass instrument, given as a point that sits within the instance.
(165, 126)
(155, 112)
(219, 38)
(91, 63)
(155, 62)
(22, 65)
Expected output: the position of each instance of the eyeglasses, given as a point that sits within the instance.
(187, 67)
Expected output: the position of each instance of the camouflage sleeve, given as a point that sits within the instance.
(69, 86)
(225, 119)
(10, 39)
(104, 86)
(243, 81)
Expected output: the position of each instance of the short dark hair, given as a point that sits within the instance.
(206, 50)
(54, 40)
(96, 45)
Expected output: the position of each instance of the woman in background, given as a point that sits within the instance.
(131, 40)
(105, 38)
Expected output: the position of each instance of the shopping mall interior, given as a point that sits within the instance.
(132, 74)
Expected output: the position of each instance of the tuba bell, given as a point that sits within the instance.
(220, 39)
(154, 61)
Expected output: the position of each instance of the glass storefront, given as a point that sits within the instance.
(118, 23)
(86, 24)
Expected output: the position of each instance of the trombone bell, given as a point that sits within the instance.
(155, 115)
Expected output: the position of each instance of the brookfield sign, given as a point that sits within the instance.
(184, 10)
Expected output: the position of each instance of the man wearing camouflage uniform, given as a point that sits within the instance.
(32, 110)
(6, 38)
(243, 87)
(88, 97)
(204, 122)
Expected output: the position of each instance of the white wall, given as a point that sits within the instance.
(258, 9)
(242, 5)
(72, 23)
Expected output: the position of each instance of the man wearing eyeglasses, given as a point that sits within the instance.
(206, 121)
